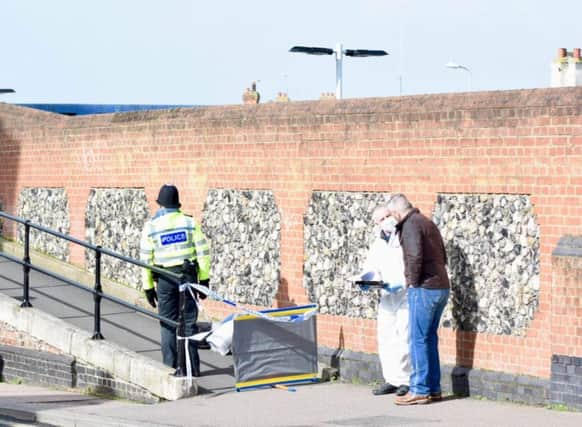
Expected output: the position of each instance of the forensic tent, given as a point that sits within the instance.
(277, 348)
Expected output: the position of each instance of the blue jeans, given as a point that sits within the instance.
(425, 310)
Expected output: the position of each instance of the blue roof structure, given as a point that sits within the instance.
(87, 109)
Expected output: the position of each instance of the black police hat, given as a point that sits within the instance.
(169, 197)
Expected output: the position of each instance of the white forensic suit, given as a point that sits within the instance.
(385, 258)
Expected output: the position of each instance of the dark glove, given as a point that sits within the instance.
(205, 282)
(189, 271)
(152, 296)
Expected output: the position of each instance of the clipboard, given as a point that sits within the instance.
(370, 279)
(373, 280)
(370, 283)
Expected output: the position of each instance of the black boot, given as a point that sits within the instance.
(196, 371)
(385, 388)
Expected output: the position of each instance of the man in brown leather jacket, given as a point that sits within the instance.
(428, 285)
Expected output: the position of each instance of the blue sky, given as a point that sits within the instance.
(208, 52)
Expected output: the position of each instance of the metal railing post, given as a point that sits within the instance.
(181, 371)
(26, 266)
(97, 296)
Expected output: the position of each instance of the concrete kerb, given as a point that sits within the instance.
(63, 417)
(67, 419)
(12, 410)
(118, 361)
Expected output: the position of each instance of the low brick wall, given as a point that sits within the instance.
(98, 381)
(364, 368)
(352, 366)
(495, 385)
(566, 387)
(36, 367)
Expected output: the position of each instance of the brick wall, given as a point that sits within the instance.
(24, 358)
(566, 381)
(514, 142)
(566, 284)
(566, 323)
(36, 367)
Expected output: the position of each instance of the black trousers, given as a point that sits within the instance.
(168, 306)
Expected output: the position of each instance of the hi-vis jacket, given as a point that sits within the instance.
(168, 239)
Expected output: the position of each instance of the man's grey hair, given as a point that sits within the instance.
(399, 203)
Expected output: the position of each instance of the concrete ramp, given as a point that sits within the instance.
(130, 356)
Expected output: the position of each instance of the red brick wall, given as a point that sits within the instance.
(566, 317)
(517, 142)
(18, 125)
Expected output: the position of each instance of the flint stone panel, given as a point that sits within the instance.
(338, 231)
(47, 207)
(493, 248)
(244, 227)
(114, 219)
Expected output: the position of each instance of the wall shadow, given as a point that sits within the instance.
(464, 308)
(282, 297)
(337, 354)
(9, 170)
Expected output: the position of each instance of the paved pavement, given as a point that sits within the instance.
(325, 405)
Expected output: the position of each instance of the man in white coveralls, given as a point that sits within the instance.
(385, 260)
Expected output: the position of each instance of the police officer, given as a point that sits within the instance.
(171, 240)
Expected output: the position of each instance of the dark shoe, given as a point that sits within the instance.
(195, 373)
(203, 345)
(402, 390)
(436, 397)
(412, 399)
(385, 388)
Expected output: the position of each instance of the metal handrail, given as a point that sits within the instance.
(97, 292)
(91, 246)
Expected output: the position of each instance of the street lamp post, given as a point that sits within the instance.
(455, 66)
(339, 55)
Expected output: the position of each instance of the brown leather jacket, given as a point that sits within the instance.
(424, 252)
